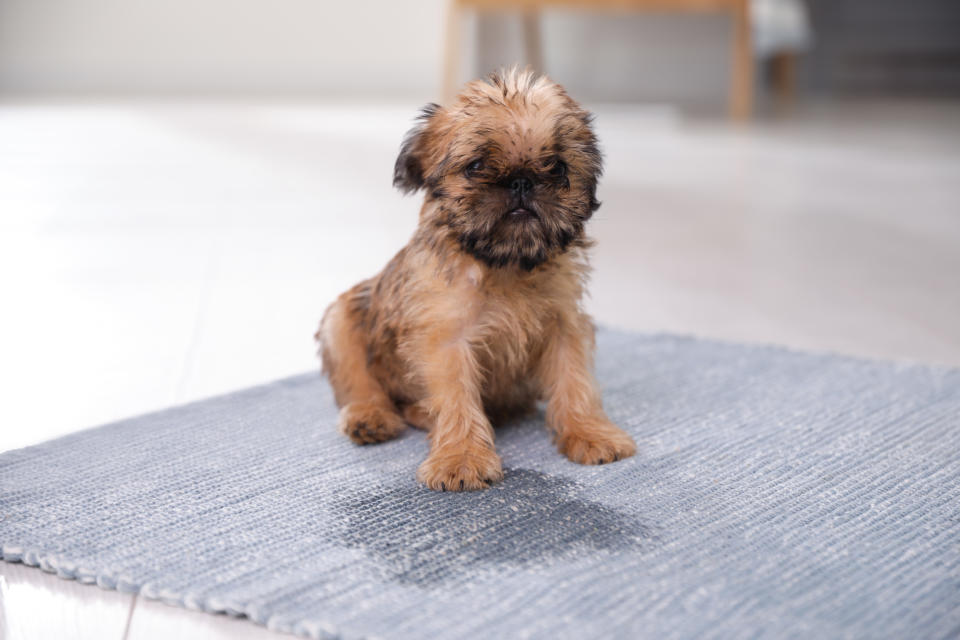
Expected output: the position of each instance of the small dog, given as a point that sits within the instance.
(479, 315)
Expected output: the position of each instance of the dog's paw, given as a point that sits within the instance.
(595, 443)
(367, 422)
(461, 469)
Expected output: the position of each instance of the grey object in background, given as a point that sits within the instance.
(780, 26)
(775, 494)
(884, 47)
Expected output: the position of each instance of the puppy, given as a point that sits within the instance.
(479, 315)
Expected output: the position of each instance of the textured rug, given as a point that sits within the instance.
(776, 494)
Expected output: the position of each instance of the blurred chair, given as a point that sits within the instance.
(742, 68)
(781, 30)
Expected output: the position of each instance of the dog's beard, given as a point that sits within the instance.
(524, 238)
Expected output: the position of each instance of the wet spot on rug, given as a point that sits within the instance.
(424, 537)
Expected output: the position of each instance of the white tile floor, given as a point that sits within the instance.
(156, 253)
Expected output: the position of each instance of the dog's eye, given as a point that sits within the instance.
(559, 168)
(474, 168)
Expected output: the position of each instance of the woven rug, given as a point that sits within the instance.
(775, 494)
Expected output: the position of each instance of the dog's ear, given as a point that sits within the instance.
(408, 172)
(591, 151)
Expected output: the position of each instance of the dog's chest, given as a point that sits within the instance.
(512, 322)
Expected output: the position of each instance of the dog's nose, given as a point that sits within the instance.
(520, 185)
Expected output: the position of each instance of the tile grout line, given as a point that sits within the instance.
(126, 627)
(4, 599)
(205, 293)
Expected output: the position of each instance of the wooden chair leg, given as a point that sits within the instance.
(451, 58)
(742, 64)
(532, 42)
(783, 68)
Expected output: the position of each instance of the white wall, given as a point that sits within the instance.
(356, 48)
(621, 56)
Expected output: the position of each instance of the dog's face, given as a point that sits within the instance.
(510, 169)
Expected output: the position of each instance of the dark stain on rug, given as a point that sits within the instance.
(424, 537)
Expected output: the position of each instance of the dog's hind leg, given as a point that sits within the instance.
(367, 414)
(417, 416)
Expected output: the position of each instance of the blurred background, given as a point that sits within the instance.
(185, 186)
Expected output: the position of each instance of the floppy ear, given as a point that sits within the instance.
(590, 150)
(409, 169)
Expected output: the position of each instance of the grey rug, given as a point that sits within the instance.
(776, 494)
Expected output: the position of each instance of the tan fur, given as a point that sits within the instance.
(480, 316)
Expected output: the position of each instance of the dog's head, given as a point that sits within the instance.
(510, 169)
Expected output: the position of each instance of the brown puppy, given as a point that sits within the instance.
(479, 316)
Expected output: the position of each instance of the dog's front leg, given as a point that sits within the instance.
(574, 409)
(462, 455)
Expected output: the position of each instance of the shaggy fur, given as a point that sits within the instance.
(480, 316)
